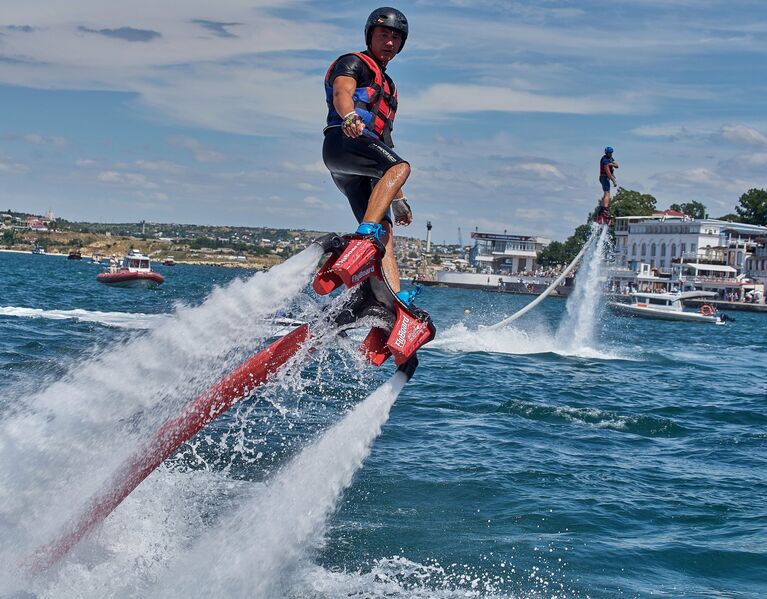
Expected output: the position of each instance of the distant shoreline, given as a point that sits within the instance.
(86, 258)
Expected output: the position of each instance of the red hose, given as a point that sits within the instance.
(206, 407)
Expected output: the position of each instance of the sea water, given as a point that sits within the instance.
(560, 457)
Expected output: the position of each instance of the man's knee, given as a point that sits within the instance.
(399, 172)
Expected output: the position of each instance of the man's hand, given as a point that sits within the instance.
(352, 125)
(402, 214)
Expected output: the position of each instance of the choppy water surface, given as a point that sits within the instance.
(576, 454)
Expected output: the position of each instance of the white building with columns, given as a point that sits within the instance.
(699, 253)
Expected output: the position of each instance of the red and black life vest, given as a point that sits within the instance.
(376, 104)
(605, 166)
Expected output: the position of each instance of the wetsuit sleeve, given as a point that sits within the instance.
(350, 66)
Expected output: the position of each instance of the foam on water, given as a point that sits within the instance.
(198, 534)
(122, 320)
(249, 552)
(577, 332)
(576, 335)
(400, 578)
(648, 426)
(59, 445)
(516, 341)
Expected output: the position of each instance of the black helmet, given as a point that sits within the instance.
(386, 17)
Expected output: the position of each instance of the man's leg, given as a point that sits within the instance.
(385, 191)
(389, 263)
(605, 182)
(378, 205)
(603, 215)
(368, 160)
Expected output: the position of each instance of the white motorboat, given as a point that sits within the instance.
(668, 306)
(136, 271)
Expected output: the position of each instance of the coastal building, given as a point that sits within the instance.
(36, 223)
(756, 263)
(496, 261)
(495, 253)
(669, 249)
(31, 222)
(623, 225)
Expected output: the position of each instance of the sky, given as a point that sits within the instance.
(212, 112)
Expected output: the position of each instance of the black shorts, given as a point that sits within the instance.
(356, 165)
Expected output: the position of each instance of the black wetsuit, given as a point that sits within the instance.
(357, 164)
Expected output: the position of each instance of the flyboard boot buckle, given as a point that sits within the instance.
(357, 258)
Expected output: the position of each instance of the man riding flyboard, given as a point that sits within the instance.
(358, 149)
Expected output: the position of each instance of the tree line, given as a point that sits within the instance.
(751, 209)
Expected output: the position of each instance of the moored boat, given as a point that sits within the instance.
(75, 255)
(169, 261)
(38, 250)
(668, 306)
(135, 271)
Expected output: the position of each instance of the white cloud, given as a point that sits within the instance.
(756, 159)
(189, 73)
(311, 167)
(695, 176)
(84, 162)
(128, 179)
(57, 40)
(538, 170)
(157, 166)
(42, 140)
(14, 168)
(199, 150)
(153, 196)
(314, 202)
(450, 98)
(743, 135)
(668, 131)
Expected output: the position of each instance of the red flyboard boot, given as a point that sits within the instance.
(603, 216)
(412, 329)
(400, 329)
(358, 259)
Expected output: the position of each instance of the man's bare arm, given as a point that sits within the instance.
(343, 102)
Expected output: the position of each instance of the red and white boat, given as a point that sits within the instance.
(135, 271)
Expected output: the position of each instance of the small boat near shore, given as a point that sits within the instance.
(169, 261)
(135, 271)
(669, 306)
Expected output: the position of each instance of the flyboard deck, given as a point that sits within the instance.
(354, 261)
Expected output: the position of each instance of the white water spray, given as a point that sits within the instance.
(576, 332)
(248, 553)
(121, 320)
(62, 443)
(575, 335)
